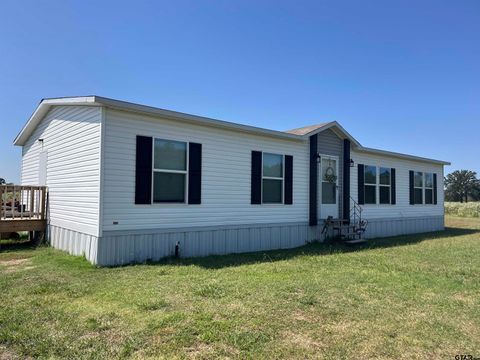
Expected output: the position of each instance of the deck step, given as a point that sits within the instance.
(356, 241)
(341, 227)
(350, 234)
(337, 220)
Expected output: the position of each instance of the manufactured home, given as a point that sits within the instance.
(131, 183)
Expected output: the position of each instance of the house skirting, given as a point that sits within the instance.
(123, 247)
(137, 246)
(403, 226)
(74, 242)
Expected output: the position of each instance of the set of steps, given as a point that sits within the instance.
(347, 231)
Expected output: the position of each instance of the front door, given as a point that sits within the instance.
(328, 187)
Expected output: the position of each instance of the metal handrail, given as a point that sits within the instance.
(355, 212)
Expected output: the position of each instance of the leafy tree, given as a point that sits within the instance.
(462, 185)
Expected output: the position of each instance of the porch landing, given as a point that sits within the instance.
(23, 208)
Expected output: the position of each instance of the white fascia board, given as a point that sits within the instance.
(194, 119)
(45, 105)
(401, 156)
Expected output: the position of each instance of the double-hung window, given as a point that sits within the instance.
(428, 188)
(272, 178)
(370, 184)
(385, 185)
(169, 171)
(418, 187)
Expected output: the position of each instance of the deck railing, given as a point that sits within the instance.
(23, 202)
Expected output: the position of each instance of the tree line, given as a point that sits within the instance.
(462, 186)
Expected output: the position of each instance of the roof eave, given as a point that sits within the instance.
(195, 119)
(402, 156)
(45, 105)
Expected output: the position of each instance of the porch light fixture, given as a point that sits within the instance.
(352, 163)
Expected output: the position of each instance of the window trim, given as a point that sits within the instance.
(365, 184)
(425, 188)
(389, 186)
(378, 185)
(185, 172)
(282, 202)
(419, 187)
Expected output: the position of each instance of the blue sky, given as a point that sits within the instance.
(398, 75)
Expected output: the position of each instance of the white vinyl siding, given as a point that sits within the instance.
(402, 167)
(71, 144)
(226, 176)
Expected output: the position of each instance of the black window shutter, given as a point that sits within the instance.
(313, 180)
(143, 170)
(346, 179)
(361, 184)
(194, 173)
(393, 184)
(288, 189)
(412, 189)
(256, 185)
(435, 189)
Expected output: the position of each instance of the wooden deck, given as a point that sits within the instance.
(23, 208)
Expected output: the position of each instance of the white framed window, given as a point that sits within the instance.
(370, 184)
(385, 185)
(418, 187)
(428, 180)
(170, 174)
(272, 178)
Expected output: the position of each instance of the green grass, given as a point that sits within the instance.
(470, 209)
(405, 297)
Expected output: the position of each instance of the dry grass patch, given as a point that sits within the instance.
(13, 265)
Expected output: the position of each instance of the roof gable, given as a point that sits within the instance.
(332, 125)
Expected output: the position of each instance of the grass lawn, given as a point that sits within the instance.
(404, 297)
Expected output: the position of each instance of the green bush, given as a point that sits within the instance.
(471, 209)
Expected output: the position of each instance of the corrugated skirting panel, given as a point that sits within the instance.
(402, 226)
(74, 242)
(137, 246)
(116, 248)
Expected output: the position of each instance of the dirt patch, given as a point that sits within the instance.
(6, 354)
